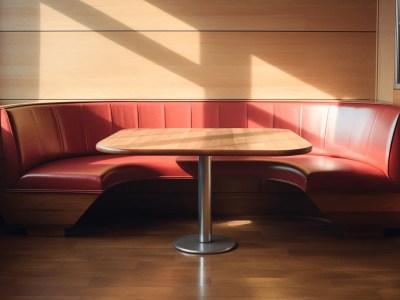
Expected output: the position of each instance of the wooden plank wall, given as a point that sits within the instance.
(178, 49)
(386, 51)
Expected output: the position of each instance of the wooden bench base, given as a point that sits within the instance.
(51, 214)
(45, 214)
(360, 214)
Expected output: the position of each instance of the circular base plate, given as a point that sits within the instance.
(191, 244)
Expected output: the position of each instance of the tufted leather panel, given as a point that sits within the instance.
(260, 114)
(313, 125)
(233, 114)
(288, 116)
(205, 114)
(124, 115)
(71, 127)
(178, 115)
(151, 115)
(31, 144)
(97, 124)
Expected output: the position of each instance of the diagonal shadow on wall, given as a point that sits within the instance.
(212, 51)
(212, 77)
(235, 54)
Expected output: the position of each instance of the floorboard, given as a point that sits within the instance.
(278, 257)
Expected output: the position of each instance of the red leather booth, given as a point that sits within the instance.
(51, 172)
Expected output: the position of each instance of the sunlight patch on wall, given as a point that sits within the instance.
(270, 82)
(101, 68)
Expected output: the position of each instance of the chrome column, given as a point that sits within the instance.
(204, 242)
(204, 199)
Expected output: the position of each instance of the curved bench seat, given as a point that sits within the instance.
(308, 172)
(48, 156)
(97, 173)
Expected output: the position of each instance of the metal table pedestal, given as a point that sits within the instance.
(205, 242)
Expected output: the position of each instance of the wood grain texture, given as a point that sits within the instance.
(396, 97)
(359, 212)
(187, 65)
(131, 49)
(292, 15)
(277, 258)
(205, 141)
(386, 50)
(357, 201)
(231, 197)
(52, 214)
(44, 210)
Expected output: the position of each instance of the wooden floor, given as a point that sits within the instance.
(277, 258)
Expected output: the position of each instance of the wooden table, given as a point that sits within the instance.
(205, 143)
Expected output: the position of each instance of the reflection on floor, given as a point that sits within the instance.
(277, 258)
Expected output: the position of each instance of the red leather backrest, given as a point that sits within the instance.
(124, 115)
(205, 115)
(178, 115)
(361, 133)
(47, 132)
(306, 119)
(358, 131)
(35, 134)
(10, 167)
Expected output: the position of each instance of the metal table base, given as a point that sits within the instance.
(204, 242)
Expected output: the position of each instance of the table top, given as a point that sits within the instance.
(204, 141)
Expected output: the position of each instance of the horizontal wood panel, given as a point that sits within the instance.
(386, 50)
(356, 202)
(187, 65)
(331, 15)
(396, 97)
(42, 217)
(46, 201)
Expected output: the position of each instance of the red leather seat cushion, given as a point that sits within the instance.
(93, 174)
(39, 140)
(333, 173)
(308, 172)
(99, 172)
